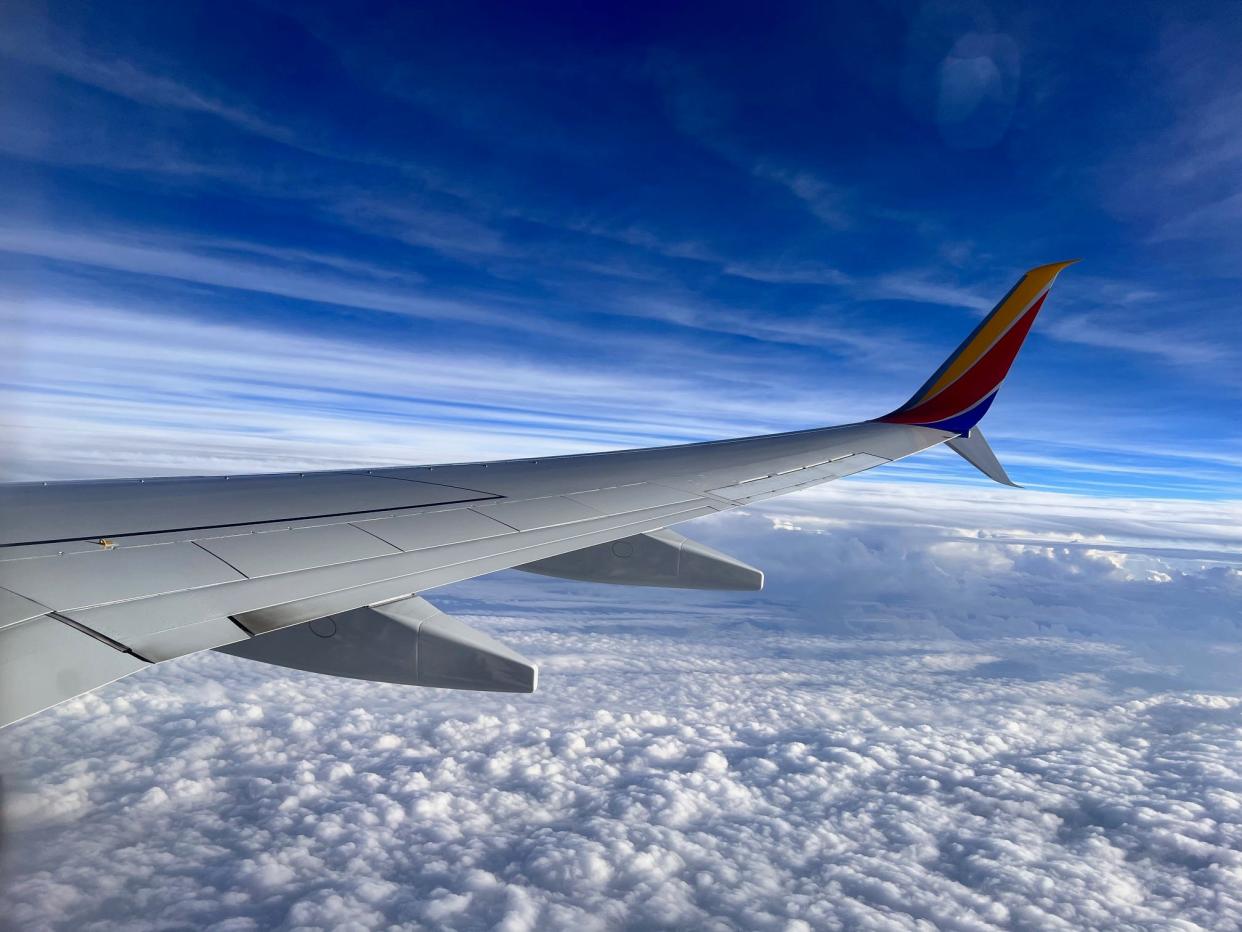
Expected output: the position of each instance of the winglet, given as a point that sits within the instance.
(975, 450)
(960, 392)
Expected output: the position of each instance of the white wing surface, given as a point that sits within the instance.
(100, 579)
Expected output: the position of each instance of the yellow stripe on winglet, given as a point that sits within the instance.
(1032, 284)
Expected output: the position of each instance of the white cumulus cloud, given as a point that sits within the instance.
(910, 729)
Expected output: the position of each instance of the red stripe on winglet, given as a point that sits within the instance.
(977, 382)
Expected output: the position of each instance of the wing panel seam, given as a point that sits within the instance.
(442, 485)
(488, 497)
(98, 636)
(221, 559)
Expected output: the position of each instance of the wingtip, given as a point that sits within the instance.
(1053, 268)
(974, 449)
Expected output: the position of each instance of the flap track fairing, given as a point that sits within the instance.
(409, 641)
(660, 558)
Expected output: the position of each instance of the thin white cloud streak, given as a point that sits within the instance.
(42, 45)
(861, 347)
(27, 42)
(1181, 177)
(1223, 457)
(114, 252)
(778, 270)
(408, 221)
(783, 271)
(921, 289)
(701, 113)
(1017, 512)
(828, 202)
(1224, 477)
(1171, 346)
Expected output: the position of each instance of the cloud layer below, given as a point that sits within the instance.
(821, 757)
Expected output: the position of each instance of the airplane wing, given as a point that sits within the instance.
(321, 570)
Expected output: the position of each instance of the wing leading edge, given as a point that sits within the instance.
(101, 579)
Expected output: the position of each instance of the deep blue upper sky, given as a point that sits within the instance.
(233, 233)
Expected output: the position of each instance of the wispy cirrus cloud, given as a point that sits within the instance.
(926, 290)
(1171, 346)
(828, 202)
(93, 388)
(126, 78)
(247, 273)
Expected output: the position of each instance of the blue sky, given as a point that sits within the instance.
(235, 236)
